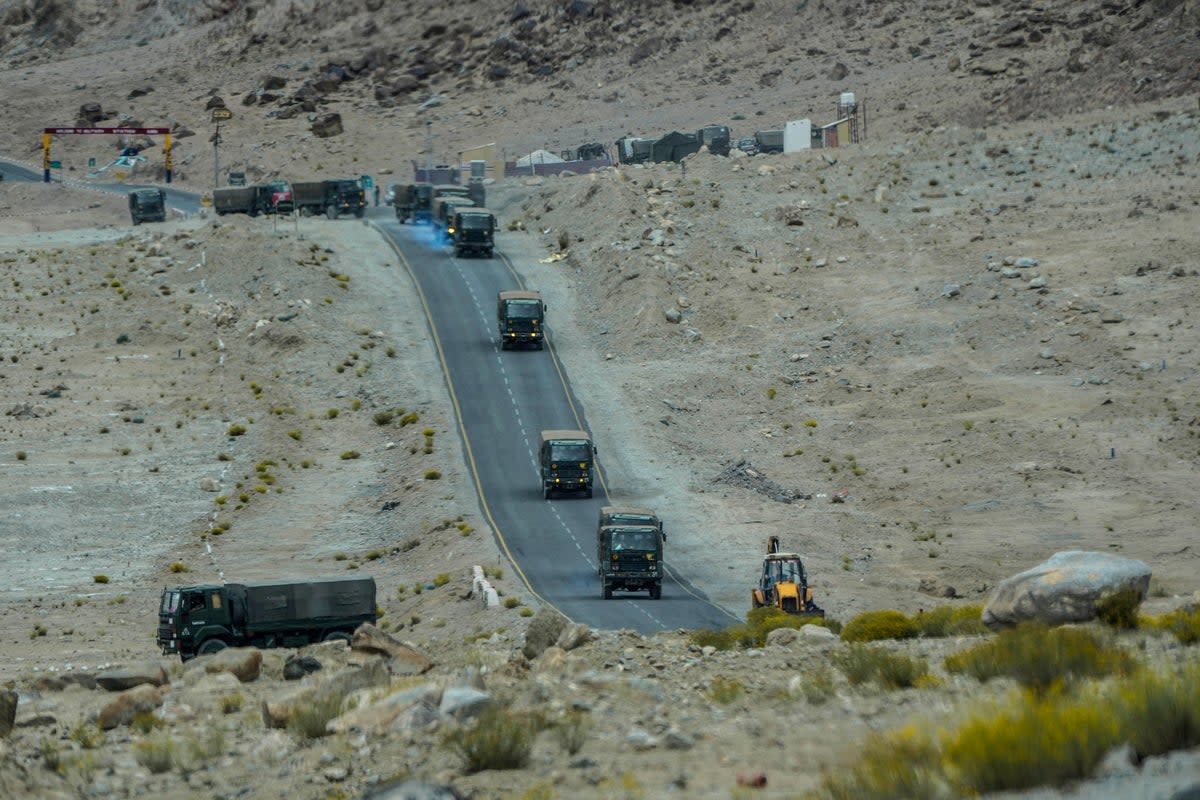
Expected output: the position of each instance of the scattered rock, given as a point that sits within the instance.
(641, 740)
(951, 290)
(573, 636)
(272, 748)
(327, 125)
(122, 678)
(411, 789)
(244, 663)
(673, 316)
(210, 485)
(839, 72)
(1064, 588)
(128, 704)
(746, 475)
(544, 629)
(296, 667)
(463, 702)
(935, 587)
(817, 633)
(403, 660)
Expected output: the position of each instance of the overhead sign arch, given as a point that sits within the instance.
(48, 132)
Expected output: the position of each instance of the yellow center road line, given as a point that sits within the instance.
(462, 428)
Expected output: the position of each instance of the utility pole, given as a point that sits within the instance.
(428, 150)
(218, 115)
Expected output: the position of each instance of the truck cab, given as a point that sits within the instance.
(716, 138)
(629, 550)
(344, 196)
(472, 230)
(521, 316)
(194, 620)
(444, 207)
(147, 205)
(568, 462)
(278, 197)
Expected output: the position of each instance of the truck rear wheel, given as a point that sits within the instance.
(607, 592)
(656, 591)
(211, 646)
(359, 213)
(337, 636)
(331, 212)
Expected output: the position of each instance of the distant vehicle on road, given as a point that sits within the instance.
(567, 458)
(147, 205)
(521, 316)
(237, 179)
(748, 145)
(331, 198)
(629, 551)
(472, 231)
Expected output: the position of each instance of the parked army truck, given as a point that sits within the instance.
(769, 141)
(521, 316)
(203, 619)
(472, 230)
(331, 198)
(629, 550)
(567, 459)
(716, 138)
(148, 205)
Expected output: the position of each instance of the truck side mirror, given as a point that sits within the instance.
(594, 450)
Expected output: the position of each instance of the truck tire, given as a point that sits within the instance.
(546, 492)
(588, 493)
(211, 646)
(606, 592)
(331, 212)
(336, 636)
(656, 591)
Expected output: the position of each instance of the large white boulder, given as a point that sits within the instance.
(1064, 588)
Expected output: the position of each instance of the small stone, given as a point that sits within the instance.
(1037, 283)
(336, 774)
(951, 290)
(1046, 354)
(641, 740)
(210, 485)
(1025, 263)
(673, 316)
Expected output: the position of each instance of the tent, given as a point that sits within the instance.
(539, 157)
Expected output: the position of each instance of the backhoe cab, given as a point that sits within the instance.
(784, 584)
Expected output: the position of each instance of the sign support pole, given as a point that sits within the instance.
(45, 157)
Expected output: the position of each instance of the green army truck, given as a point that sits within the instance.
(568, 462)
(472, 230)
(444, 207)
(148, 205)
(629, 551)
(203, 619)
(521, 316)
(331, 198)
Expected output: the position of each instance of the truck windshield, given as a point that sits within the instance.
(524, 309)
(631, 519)
(633, 539)
(570, 451)
(170, 602)
(476, 222)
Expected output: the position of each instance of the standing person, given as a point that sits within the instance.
(377, 194)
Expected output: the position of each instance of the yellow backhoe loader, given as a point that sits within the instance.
(784, 584)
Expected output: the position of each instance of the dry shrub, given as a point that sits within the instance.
(156, 753)
(1120, 609)
(1030, 743)
(1041, 657)
(572, 731)
(861, 664)
(951, 621)
(1184, 624)
(871, 626)
(309, 719)
(724, 691)
(897, 765)
(1157, 713)
(499, 739)
(753, 633)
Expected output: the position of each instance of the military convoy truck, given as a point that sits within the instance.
(252, 200)
(567, 458)
(769, 141)
(444, 207)
(331, 198)
(521, 316)
(716, 138)
(472, 230)
(148, 205)
(207, 618)
(629, 551)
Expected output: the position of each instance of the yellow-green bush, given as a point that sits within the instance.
(1040, 657)
(861, 663)
(1026, 740)
(897, 765)
(951, 621)
(871, 626)
(1184, 624)
(1037, 742)
(724, 691)
(753, 633)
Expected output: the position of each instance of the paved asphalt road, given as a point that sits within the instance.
(187, 202)
(504, 399)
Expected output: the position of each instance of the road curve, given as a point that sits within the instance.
(503, 399)
(185, 201)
